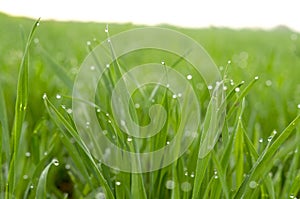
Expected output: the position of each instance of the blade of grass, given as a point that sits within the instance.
(5, 130)
(86, 158)
(259, 168)
(20, 108)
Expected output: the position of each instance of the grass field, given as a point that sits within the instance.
(42, 156)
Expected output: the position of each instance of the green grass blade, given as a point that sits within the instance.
(259, 169)
(87, 158)
(20, 107)
(5, 129)
(41, 190)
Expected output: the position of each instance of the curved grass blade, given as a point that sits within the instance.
(41, 190)
(20, 108)
(259, 169)
(86, 158)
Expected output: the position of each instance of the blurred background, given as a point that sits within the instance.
(189, 13)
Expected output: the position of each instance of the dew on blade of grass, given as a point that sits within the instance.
(106, 28)
(107, 114)
(45, 153)
(98, 110)
(137, 106)
(123, 123)
(58, 96)
(88, 43)
(168, 142)
(237, 89)
(38, 24)
(28, 154)
(268, 83)
(109, 121)
(252, 184)
(168, 85)
(31, 186)
(229, 61)
(174, 96)
(69, 111)
(92, 67)
(36, 40)
(256, 77)
(298, 106)
(274, 132)
(129, 139)
(224, 88)
(55, 162)
(210, 87)
(118, 183)
(107, 65)
(162, 62)
(25, 177)
(192, 174)
(179, 95)
(186, 186)
(189, 77)
(67, 166)
(186, 173)
(270, 138)
(260, 140)
(170, 184)
(44, 96)
(100, 195)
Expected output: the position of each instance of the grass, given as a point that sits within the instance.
(43, 156)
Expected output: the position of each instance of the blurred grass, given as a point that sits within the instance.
(239, 159)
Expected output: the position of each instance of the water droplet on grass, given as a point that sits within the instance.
(252, 184)
(69, 111)
(179, 95)
(170, 184)
(163, 63)
(189, 77)
(225, 88)
(260, 140)
(137, 106)
(44, 96)
(92, 67)
(186, 186)
(237, 89)
(298, 106)
(210, 87)
(55, 162)
(38, 24)
(174, 96)
(107, 65)
(168, 142)
(25, 177)
(118, 183)
(106, 28)
(256, 77)
(31, 186)
(100, 195)
(268, 83)
(186, 173)
(88, 43)
(129, 139)
(274, 132)
(58, 96)
(270, 138)
(28, 154)
(36, 40)
(229, 61)
(192, 175)
(67, 167)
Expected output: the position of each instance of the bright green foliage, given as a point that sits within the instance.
(43, 156)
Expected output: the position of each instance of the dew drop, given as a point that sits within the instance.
(107, 114)
(92, 67)
(88, 43)
(179, 95)
(186, 173)
(25, 177)
(67, 167)
(38, 24)
(260, 140)
(118, 183)
(225, 88)
(268, 83)
(256, 77)
(168, 142)
(216, 177)
(31, 186)
(55, 162)
(109, 121)
(168, 85)
(58, 96)
(107, 65)
(44, 96)
(298, 106)
(28, 154)
(69, 111)
(186, 186)
(170, 184)
(129, 139)
(98, 110)
(189, 77)
(229, 62)
(252, 184)
(137, 106)
(36, 40)
(270, 138)
(210, 87)
(163, 63)
(174, 96)
(100, 195)
(274, 132)
(192, 175)
(45, 153)
(106, 28)
(237, 89)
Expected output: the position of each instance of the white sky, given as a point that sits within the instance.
(187, 13)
